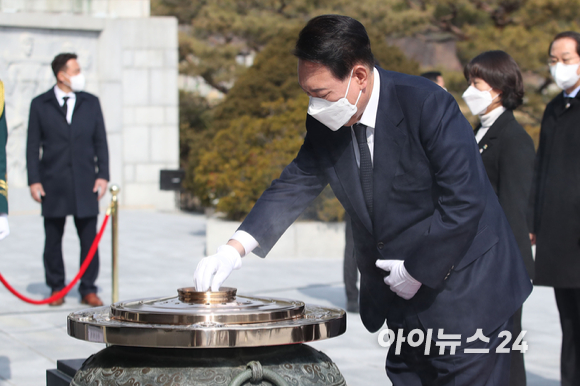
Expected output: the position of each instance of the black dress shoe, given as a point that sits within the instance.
(352, 306)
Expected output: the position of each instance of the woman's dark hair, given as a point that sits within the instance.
(567, 34)
(59, 62)
(337, 42)
(501, 72)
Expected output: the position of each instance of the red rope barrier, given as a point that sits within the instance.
(62, 293)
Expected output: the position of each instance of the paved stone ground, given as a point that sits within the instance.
(159, 252)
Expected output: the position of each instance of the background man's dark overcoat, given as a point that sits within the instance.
(556, 196)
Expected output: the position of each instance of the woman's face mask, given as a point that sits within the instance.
(333, 115)
(478, 101)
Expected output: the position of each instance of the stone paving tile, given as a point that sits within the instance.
(159, 252)
(21, 364)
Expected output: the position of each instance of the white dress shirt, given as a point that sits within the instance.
(487, 120)
(368, 118)
(70, 103)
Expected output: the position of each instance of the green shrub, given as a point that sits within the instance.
(259, 128)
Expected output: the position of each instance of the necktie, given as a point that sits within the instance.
(65, 106)
(366, 166)
(567, 101)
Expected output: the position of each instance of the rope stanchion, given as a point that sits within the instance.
(62, 293)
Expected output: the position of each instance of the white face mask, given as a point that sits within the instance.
(478, 101)
(565, 75)
(77, 82)
(333, 115)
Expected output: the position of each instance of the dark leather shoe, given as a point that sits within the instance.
(57, 302)
(92, 300)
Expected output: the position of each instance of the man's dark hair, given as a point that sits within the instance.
(501, 72)
(337, 42)
(431, 75)
(567, 34)
(60, 60)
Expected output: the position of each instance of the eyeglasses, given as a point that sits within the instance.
(573, 60)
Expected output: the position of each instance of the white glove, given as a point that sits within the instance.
(400, 281)
(221, 265)
(4, 228)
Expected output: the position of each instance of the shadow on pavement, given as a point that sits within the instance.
(536, 380)
(331, 293)
(5, 368)
(44, 291)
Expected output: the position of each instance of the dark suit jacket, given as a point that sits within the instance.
(508, 155)
(434, 208)
(73, 156)
(555, 199)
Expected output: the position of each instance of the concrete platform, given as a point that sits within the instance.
(159, 252)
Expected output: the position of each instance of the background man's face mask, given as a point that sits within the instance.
(333, 115)
(565, 75)
(77, 82)
(478, 101)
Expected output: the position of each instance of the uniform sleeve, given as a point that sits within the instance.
(33, 143)
(3, 140)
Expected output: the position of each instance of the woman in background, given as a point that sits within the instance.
(495, 90)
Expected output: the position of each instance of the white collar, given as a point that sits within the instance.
(489, 119)
(369, 116)
(573, 93)
(61, 94)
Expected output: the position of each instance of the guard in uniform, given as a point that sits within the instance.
(4, 229)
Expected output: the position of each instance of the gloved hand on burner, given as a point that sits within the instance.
(400, 281)
(213, 270)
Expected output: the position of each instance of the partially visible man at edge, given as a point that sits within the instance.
(403, 162)
(4, 228)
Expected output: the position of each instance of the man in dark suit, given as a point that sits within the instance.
(435, 76)
(403, 162)
(556, 198)
(71, 175)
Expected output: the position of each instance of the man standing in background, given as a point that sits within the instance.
(4, 229)
(432, 244)
(555, 199)
(436, 77)
(72, 174)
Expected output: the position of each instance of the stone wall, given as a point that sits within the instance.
(129, 63)
(99, 8)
